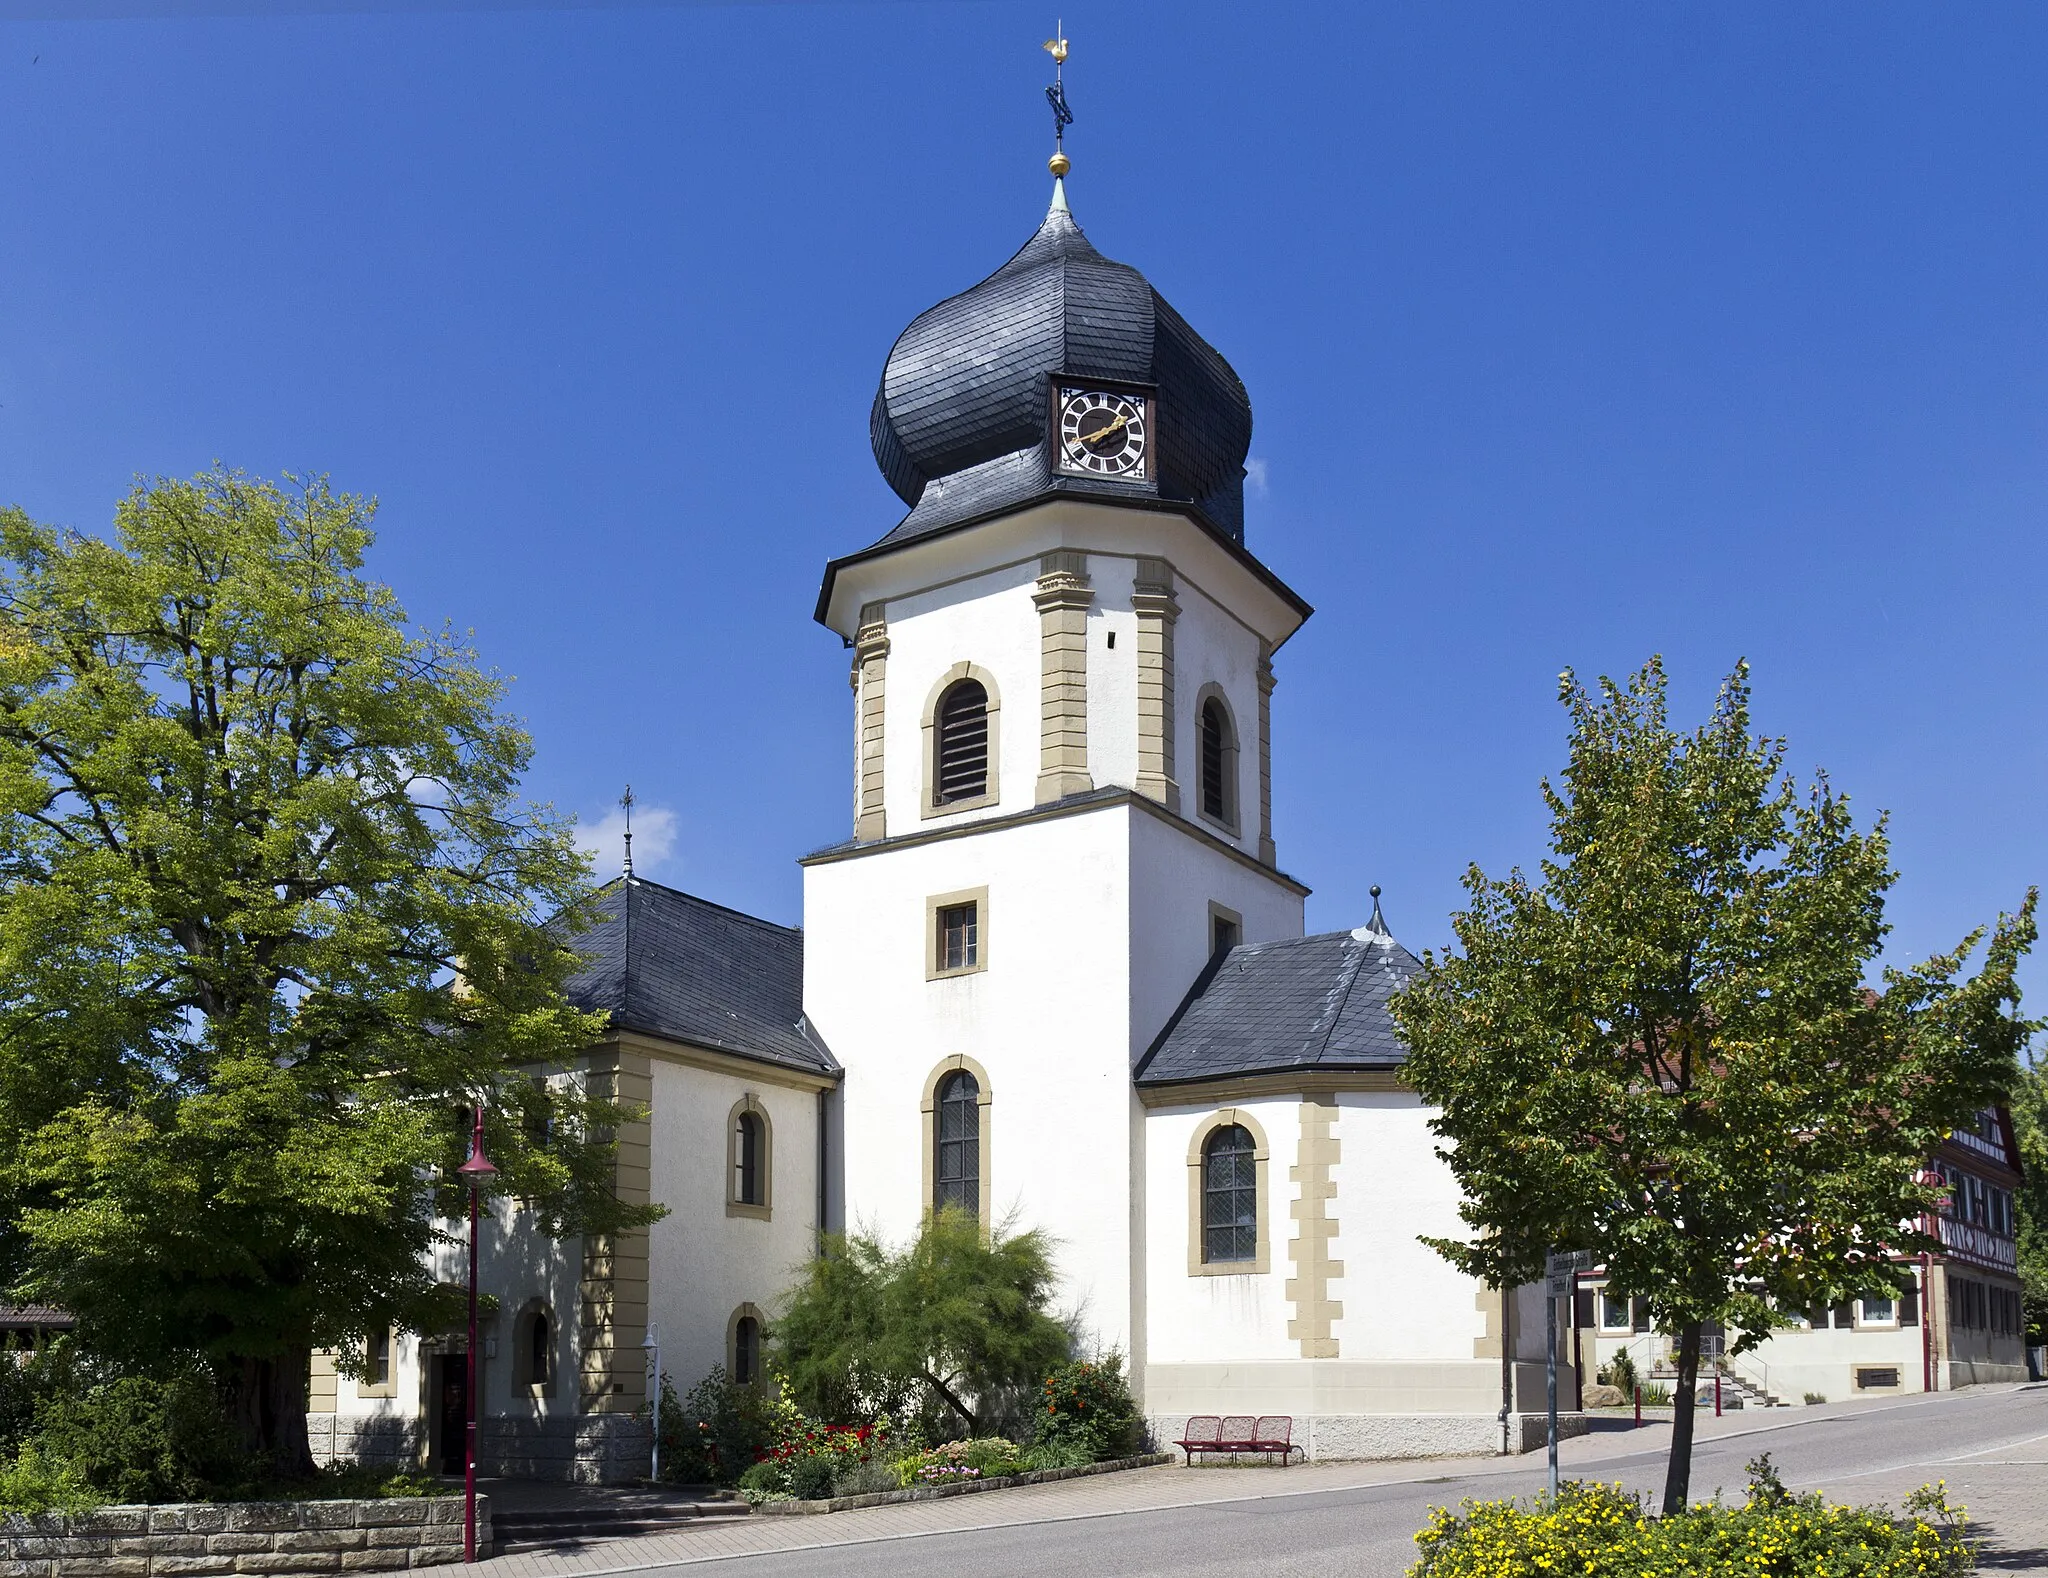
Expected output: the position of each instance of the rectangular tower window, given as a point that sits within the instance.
(959, 936)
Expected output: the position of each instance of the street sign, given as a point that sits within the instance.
(1560, 1269)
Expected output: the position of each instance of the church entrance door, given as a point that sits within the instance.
(451, 1415)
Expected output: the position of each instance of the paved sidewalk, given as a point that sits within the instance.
(2002, 1485)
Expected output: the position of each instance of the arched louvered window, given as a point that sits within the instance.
(1230, 1196)
(1218, 749)
(960, 765)
(746, 1160)
(956, 1148)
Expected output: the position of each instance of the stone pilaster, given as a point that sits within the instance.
(1063, 598)
(1152, 598)
(1308, 1290)
(870, 665)
(1267, 853)
(612, 1290)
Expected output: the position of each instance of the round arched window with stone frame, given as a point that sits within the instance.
(956, 1148)
(1230, 1196)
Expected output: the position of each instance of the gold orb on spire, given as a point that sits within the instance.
(1059, 164)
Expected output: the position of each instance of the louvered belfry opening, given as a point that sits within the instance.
(961, 771)
(1215, 736)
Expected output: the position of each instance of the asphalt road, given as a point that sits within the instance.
(1991, 1448)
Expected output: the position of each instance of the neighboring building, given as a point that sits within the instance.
(1958, 1324)
(1059, 970)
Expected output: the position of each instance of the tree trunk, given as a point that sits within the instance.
(951, 1401)
(269, 1397)
(1678, 1474)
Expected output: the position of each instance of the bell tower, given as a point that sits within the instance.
(1062, 670)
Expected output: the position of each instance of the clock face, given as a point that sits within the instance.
(1102, 434)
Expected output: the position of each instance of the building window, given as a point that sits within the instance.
(960, 767)
(1230, 1198)
(1879, 1312)
(1226, 1194)
(743, 1346)
(749, 1159)
(540, 1356)
(380, 1359)
(1614, 1311)
(1869, 1379)
(1217, 751)
(956, 1144)
(956, 933)
(959, 936)
(1226, 929)
(746, 1144)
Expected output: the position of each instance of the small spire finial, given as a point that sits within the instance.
(1056, 96)
(626, 805)
(1376, 929)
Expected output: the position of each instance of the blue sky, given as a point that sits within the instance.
(1574, 333)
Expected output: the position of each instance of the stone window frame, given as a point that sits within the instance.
(388, 1387)
(1223, 912)
(1262, 1261)
(929, 1107)
(749, 1105)
(1233, 791)
(934, 970)
(523, 1382)
(929, 804)
(753, 1313)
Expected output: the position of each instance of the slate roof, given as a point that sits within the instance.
(959, 420)
(1303, 1004)
(666, 964)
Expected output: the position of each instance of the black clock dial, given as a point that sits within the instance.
(1102, 434)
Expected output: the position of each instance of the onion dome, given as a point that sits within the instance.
(960, 421)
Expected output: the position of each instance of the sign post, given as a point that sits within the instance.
(1559, 1272)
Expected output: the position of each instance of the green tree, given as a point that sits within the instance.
(2030, 1125)
(1666, 1052)
(271, 912)
(958, 1316)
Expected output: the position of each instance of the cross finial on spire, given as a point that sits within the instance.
(1056, 96)
(626, 805)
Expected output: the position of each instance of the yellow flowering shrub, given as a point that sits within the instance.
(1603, 1531)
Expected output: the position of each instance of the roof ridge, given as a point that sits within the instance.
(713, 904)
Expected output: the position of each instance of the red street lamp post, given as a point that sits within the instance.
(476, 1172)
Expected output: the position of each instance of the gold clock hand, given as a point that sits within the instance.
(1101, 433)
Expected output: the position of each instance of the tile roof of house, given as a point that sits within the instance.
(667, 964)
(1303, 1004)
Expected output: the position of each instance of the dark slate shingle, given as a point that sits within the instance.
(1303, 1003)
(667, 964)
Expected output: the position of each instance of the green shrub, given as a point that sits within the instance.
(810, 1478)
(1656, 1395)
(1059, 1454)
(1601, 1531)
(34, 1482)
(863, 1477)
(986, 1457)
(1620, 1371)
(712, 1435)
(141, 1438)
(1089, 1405)
(766, 1475)
(1815, 1397)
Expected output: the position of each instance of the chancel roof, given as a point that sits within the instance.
(1304, 1004)
(667, 964)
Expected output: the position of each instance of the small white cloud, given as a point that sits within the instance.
(1255, 476)
(654, 840)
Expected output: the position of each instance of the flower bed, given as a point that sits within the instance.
(958, 1485)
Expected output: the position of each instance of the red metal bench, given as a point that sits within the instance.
(1235, 1433)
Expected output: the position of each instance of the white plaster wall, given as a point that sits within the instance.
(1174, 878)
(1401, 1299)
(1789, 1363)
(1112, 673)
(1209, 646)
(1049, 1019)
(990, 621)
(1216, 1319)
(702, 1263)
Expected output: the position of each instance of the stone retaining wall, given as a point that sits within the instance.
(192, 1539)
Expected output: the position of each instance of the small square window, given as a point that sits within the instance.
(1223, 934)
(959, 936)
(1879, 1312)
(1614, 1312)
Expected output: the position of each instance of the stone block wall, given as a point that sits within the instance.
(259, 1538)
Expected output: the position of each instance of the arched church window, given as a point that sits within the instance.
(1230, 1197)
(960, 768)
(1219, 748)
(540, 1353)
(746, 1350)
(746, 1160)
(956, 1176)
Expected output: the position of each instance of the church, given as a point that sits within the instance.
(1056, 973)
